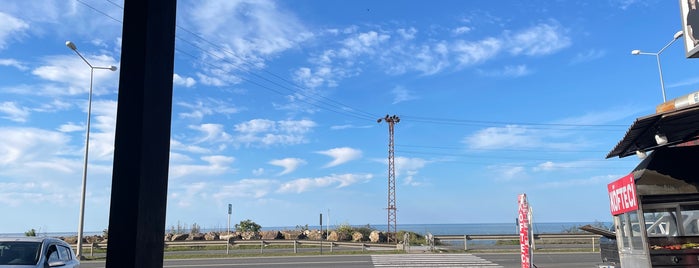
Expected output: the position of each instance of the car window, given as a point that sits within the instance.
(65, 253)
(19, 253)
(52, 254)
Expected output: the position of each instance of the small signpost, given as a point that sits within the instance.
(230, 211)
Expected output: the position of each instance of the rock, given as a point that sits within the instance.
(269, 235)
(294, 235)
(179, 237)
(168, 237)
(250, 235)
(211, 236)
(377, 237)
(228, 236)
(337, 236)
(358, 237)
(71, 240)
(195, 237)
(314, 235)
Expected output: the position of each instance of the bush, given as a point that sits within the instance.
(247, 226)
(195, 229)
(31, 232)
(414, 239)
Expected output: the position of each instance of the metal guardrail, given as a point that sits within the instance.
(262, 243)
(594, 238)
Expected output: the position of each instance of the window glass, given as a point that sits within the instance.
(624, 230)
(636, 234)
(19, 253)
(661, 222)
(690, 219)
(52, 254)
(65, 253)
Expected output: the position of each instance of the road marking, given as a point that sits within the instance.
(431, 260)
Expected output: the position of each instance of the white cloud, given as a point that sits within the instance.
(14, 112)
(510, 136)
(214, 165)
(72, 71)
(408, 168)
(102, 129)
(508, 172)
(258, 171)
(245, 34)
(21, 147)
(401, 94)
(212, 133)
(206, 107)
(461, 30)
(508, 71)
(542, 39)
(341, 155)
(469, 53)
(13, 63)
(307, 184)
(70, 127)
(408, 33)
(267, 132)
(588, 55)
(178, 80)
(289, 164)
(10, 27)
(246, 188)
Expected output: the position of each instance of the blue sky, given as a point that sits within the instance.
(275, 106)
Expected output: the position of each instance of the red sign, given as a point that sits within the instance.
(622, 195)
(524, 235)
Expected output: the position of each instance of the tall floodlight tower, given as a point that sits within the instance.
(391, 230)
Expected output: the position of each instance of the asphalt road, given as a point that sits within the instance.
(503, 260)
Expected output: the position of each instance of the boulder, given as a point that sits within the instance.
(195, 237)
(211, 236)
(71, 240)
(269, 235)
(337, 236)
(314, 235)
(377, 237)
(294, 235)
(250, 235)
(229, 236)
(358, 237)
(179, 237)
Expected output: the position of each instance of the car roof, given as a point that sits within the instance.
(28, 239)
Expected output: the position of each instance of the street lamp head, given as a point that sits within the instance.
(70, 45)
(635, 52)
(678, 34)
(112, 68)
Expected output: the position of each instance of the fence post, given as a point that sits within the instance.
(262, 246)
(331, 246)
(593, 244)
(295, 251)
(465, 242)
(363, 247)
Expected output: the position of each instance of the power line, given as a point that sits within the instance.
(343, 108)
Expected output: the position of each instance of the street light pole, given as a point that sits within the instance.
(657, 58)
(112, 68)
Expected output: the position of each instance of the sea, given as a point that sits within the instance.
(423, 229)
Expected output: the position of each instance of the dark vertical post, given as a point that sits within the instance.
(142, 139)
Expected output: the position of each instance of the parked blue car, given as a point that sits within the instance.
(24, 252)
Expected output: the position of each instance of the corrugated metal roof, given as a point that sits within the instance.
(678, 126)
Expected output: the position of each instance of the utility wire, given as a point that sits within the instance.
(333, 105)
(348, 110)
